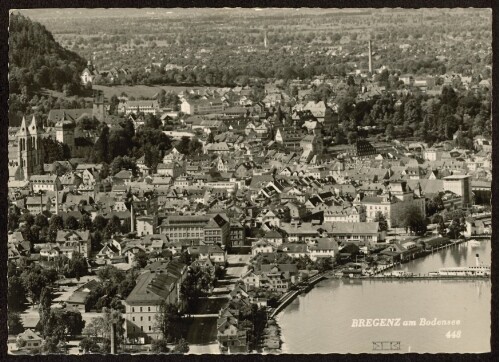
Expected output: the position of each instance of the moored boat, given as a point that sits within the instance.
(474, 242)
(479, 270)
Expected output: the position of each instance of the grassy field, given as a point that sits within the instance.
(141, 90)
(49, 92)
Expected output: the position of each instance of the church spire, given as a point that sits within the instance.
(33, 126)
(24, 128)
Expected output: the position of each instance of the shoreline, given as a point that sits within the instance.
(331, 275)
(287, 298)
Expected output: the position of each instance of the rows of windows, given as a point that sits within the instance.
(347, 237)
(378, 208)
(184, 235)
(181, 223)
(140, 309)
(212, 232)
(183, 228)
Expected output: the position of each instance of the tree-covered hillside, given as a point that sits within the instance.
(37, 61)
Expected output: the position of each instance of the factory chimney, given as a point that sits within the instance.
(56, 202)
(265, 40)
(132, 219)
(370, 58)
(113, 338)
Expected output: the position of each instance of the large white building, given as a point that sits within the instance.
(432, 154)
(391, 203)
(143, 106)
(160, 283)
(202, 106)
(460, 185)
(45, 183)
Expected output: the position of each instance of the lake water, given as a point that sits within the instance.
(321, 320)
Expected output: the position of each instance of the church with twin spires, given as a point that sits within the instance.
(27, 158)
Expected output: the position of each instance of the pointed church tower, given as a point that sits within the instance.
(29, 150)
(36, 145)
(23, 153)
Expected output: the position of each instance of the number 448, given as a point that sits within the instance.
(453, 334)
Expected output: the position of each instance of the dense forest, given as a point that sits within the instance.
(452, 115)
(38, 63)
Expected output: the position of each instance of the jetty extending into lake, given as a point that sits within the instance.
(423, 277)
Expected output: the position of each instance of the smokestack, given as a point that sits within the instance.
(132, 221)
(57, 202)
(113, 338)
(370, 58)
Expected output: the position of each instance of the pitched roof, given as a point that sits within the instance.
(124, 174)
(142, 103)
(325, 244)
(273, 234)
(205, 249)
(293, 248)
(153, 287)
(66, 234)
(355, 228)
(71, 114)
(291, 268)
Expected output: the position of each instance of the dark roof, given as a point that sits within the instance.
(154, 286)
(291, 268)
(70, 114)
(273, 234)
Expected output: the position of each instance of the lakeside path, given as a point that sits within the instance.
(211, 348)
(289, 296)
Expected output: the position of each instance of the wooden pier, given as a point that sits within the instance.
(424, 277)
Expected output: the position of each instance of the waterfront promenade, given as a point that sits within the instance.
(289, 296)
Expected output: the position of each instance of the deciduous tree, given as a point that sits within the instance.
(159, 346)
(181, 347)
(56, 224)
(168, 321)
(14, 323)
(85, 222)
(71, 223)
(16, 294)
